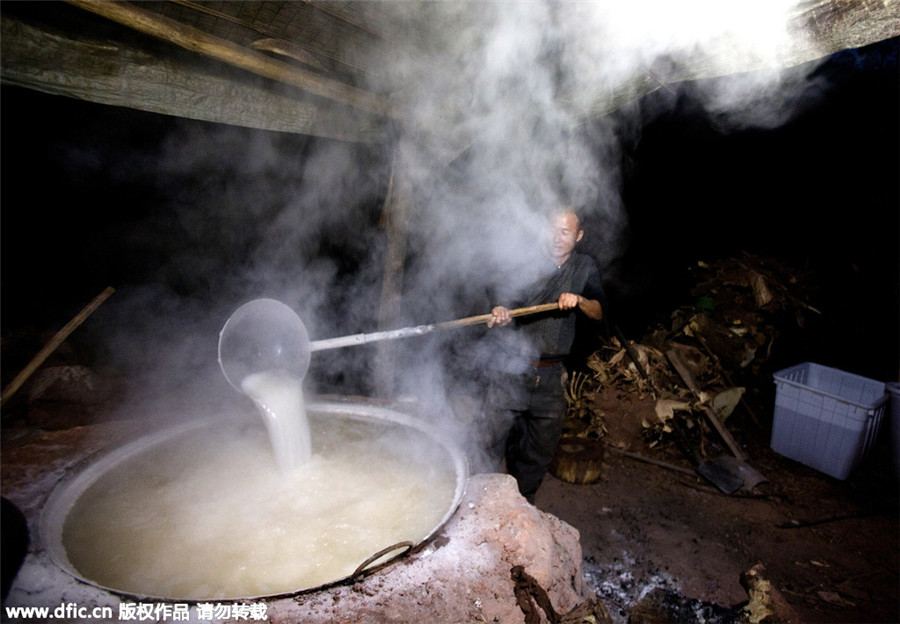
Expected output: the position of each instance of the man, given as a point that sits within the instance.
(528, 395)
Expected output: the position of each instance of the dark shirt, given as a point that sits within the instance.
(551, 335)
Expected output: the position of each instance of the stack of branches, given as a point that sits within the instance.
(741, 308)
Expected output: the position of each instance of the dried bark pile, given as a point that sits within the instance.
(630, 396)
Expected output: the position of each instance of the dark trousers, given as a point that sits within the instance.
(529, 410)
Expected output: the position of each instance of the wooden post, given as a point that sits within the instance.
(395, 217)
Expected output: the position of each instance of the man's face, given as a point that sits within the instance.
(565, 232)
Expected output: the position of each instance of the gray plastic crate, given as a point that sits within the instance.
(825, 418)
(893, 389)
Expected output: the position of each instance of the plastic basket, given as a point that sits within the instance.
(893, 389)
(826, 418)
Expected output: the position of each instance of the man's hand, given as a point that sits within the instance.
(591, 307)
(499, 317)
(567, 301)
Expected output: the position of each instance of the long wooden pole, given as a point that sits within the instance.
(650, 460)
(406, 332)
(54, 343)
(196, 40)
(484, 318)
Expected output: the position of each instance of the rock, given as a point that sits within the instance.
(464, 575)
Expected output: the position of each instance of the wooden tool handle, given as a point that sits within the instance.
(406, 332)
(711, 416)
(484, 318)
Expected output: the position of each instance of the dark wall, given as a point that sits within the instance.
(820, 192)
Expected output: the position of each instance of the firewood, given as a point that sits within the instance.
(591, 611)
(767, 604)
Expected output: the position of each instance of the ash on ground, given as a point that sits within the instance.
(627, 597)
(617, 586)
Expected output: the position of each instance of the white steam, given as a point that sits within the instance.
(503, 121)
(500, 122)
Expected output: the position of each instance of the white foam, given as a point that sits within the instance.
(211, 516)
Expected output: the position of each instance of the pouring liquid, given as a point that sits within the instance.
(279, 397)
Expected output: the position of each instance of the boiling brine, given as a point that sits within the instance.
(279, 398)
(210, 516)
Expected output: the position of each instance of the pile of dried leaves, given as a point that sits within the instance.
(630, 393)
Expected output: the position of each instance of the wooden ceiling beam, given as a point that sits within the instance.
(273, 42)
(196, 40)
(115, 72)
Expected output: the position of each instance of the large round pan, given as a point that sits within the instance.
(67, 492)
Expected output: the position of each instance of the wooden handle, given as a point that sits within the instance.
(711, 416)
(650, 460)
(406, 332)
(484, 318)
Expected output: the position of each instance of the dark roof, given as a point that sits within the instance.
(330, 67)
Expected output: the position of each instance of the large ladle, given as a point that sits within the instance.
(265, 334)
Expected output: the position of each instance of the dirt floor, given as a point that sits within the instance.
(830, 547)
